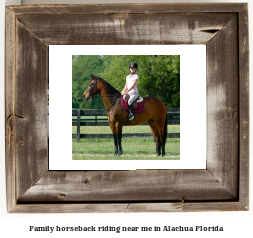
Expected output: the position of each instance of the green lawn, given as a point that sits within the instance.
(133, 148)
(126, 129)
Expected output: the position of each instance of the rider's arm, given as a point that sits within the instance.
(135, 82)
(125, 88)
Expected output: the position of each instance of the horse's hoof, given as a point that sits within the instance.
(120, 150)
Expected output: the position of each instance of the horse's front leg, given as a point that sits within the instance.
(119, 135)
(114, 131)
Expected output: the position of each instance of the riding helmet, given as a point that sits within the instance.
(133, 65)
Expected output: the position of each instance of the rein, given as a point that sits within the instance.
(113, 102)
(92, 96)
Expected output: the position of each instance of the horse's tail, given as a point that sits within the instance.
(165, 129)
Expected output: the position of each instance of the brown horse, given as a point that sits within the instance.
(155, 113)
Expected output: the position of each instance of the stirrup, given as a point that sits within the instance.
(131, 117)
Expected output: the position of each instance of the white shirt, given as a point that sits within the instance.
(130, 79)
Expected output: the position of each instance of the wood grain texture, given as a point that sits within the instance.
(129, 207)
(139, 185)
(154, 8)
(70, 208)
(9, 109)
(222, 107)
(223, 186)
(30, 108)
(244, 106)
(186, 207)
(125, 29)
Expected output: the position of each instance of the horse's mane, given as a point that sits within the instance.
(110, 87)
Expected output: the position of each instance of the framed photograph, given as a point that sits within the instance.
(178, 68)
(44, 110)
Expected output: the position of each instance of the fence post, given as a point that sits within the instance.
(78, 124)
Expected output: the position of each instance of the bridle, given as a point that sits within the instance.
(92, 89)
(93, 96)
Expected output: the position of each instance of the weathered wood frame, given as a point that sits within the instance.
(222, 186)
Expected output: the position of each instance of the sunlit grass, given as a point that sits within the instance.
(134, 148)
(126, 129)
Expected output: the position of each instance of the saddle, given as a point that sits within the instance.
(135, 103)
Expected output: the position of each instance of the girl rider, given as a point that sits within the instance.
(131, 88)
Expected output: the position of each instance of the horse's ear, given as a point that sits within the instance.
(93, 77)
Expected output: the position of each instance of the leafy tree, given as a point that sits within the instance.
(159, 76)
(82, 68)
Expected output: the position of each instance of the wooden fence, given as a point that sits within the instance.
(93, 118)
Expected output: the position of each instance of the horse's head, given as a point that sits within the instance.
(92, 88)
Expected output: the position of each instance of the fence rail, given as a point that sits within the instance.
(91, 118)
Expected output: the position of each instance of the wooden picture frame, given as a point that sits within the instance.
(222, 186)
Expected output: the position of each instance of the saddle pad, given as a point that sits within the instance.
(138, 110)
(139, 99)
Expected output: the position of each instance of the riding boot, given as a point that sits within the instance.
(131, 115)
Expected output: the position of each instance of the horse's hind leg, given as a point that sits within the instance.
(162, 128)
(113, 128)
(155, 132)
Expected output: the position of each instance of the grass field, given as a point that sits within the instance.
(126, 129)
(133, 148)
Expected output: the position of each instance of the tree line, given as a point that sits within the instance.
(159, 76)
